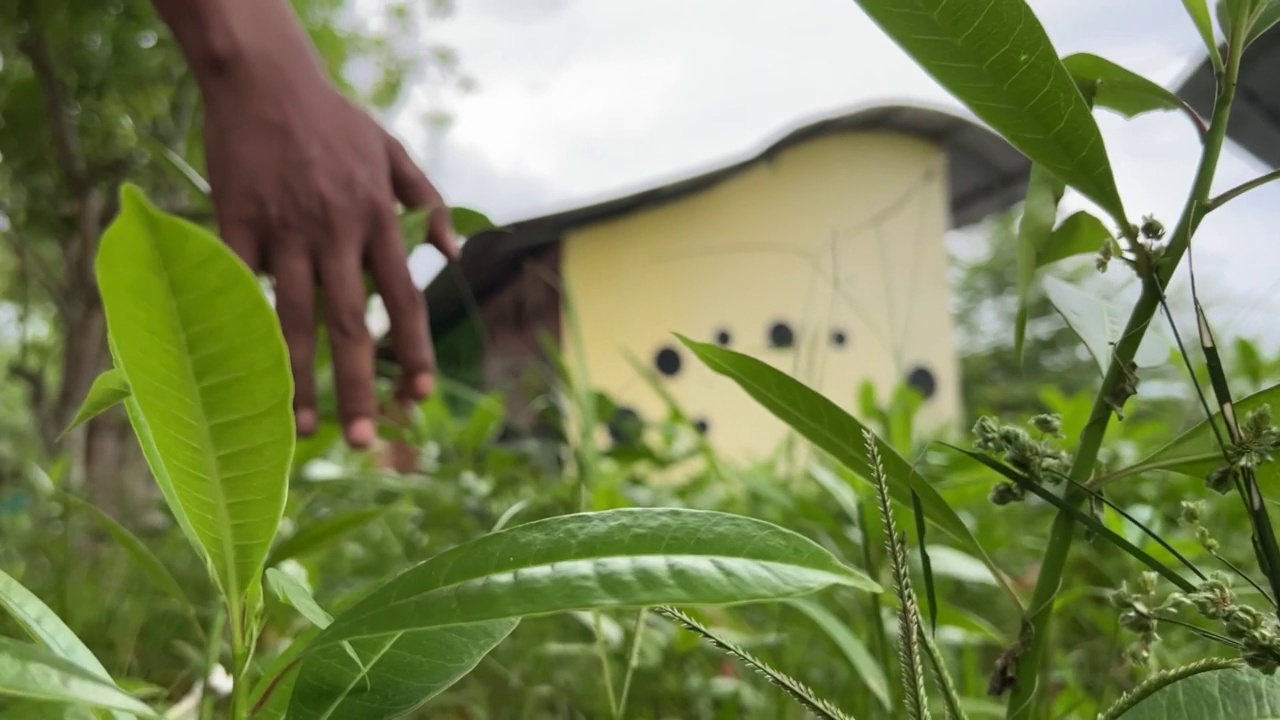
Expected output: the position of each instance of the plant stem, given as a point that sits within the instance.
(603, 652)
(637, 639)
(1061, 534)
(1241, 189)
(239, 666)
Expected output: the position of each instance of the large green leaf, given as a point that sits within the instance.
(996, 58)
(1237, 694)
(825, 424)
(1119, 89)
(1196, 452)
(396, 672)
(35, 672)
(212, 390)
(1100, 323)
(631, 557)
(107, 391)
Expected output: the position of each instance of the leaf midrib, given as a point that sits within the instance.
(444, 589)
(226, 527)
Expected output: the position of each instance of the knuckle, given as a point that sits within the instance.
(346, 321)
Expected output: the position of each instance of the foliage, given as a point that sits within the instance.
(504, 576)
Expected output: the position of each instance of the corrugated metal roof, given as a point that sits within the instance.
(1255, 116)
(987, 175)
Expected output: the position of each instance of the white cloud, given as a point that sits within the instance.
(579, 100)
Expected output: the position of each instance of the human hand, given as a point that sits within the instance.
(304, 184)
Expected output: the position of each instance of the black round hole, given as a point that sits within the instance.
(839, 338)
(781, 335)
(922, 380)
(723, 338)
(667, 361)
(701, 426)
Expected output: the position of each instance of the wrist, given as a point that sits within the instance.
(238, 40)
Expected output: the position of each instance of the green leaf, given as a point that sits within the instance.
(1100, 323)
(825, 424)
(630, 557)
(140, 553)
(1265, 16)
(1080, 233)
(466, 222)
(396, 674)
(1233, 14)
(212, 390)
(292, 592)
(861, 661)
(1196, 452)
(107, 390)
(1119, 89)
(45, 627)
(995, 57)
(1199, 12)
(31, 671)
(1039, 212)
(1238, 694)
(316, 535)
(957, 565)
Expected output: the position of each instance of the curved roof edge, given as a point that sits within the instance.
(985, 175)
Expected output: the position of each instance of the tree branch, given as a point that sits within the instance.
(35, 46)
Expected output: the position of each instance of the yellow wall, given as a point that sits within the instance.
(843, 231)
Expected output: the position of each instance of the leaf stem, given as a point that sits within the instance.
(1053, 564)
(1241, 189)
(240, 687)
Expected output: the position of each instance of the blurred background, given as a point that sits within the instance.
(520, 108)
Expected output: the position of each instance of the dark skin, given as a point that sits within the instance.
(305, 188)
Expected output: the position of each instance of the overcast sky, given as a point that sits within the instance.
(579, 100)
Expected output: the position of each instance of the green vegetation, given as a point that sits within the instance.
(1052, 562)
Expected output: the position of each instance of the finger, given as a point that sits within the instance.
(242, 240)
(414, 190)
(295, 287)
(342, 281)
(406, 308)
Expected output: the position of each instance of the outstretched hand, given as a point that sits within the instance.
(304, 187)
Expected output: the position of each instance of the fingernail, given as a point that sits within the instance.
(360, 432)
(423, 384)
(305, 419)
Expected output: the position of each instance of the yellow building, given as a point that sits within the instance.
(822, 255)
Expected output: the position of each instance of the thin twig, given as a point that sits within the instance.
(1241, 189)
